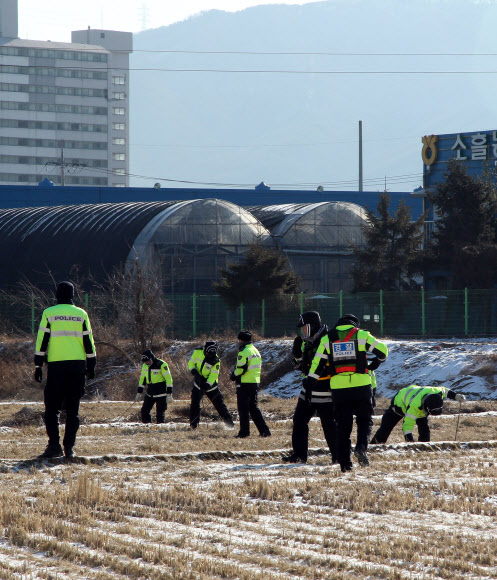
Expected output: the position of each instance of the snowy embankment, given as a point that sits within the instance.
(466, 365)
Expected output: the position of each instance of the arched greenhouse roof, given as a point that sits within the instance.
(96, 237)
(328, 224)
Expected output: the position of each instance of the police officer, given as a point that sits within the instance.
(65, 342)
(414, 404)
(156, 376)
(204, 365)
(344, 348)
(316, 401)
(247, 376)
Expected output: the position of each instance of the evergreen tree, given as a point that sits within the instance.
(463, 247)
(390, 259)
(262, 274)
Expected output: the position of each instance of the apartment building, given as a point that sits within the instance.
(64, 107)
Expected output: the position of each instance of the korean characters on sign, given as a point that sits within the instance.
(477, 147)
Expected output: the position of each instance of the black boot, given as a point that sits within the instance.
(294, 458)
(52, 450)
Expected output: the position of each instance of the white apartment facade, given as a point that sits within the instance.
(64, 107)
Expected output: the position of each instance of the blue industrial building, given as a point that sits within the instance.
(38, 196)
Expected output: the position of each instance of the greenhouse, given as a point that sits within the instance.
(187, 240)
(318, 240)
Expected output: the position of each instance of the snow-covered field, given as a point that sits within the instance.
(467, 365)
(163, 502)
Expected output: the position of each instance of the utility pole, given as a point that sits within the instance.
(360, 157)
(62, 166)
(72, 166)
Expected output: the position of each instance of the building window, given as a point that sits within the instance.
(119, 96)
(118, 185)
(118, 111)
(118, 126)
(118, 141)
(119, 156)
(118, 80)
(119, 171)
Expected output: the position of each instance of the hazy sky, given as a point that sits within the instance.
(54, 19)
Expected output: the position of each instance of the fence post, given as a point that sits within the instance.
(263, 317)
(341, 303)
(194, 317)
(301, 302)
(32, 314)
(466, 325)
(241, 316)
(423, 314)
(381, 312)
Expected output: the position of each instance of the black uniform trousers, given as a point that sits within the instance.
(394, 415)
(64, 388)
(302, 416)
(347, 403)
(160, 408)
(215, 397)
(248, 408)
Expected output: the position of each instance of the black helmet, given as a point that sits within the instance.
(311, 317)
(64, 293)
(347, 319)
(245, 336)
(432, 404)
(210, 347)
(147, 355)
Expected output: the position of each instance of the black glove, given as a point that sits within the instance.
(297, 347)
(373, 364)
(38, 374)
(409, 438)
(232, 376)
(90, 374)
(307, 391)
(195, 373)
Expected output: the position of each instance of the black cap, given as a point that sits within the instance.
(347, 319)
(432, 404)
(147, 355)
(311, 317)
(64, 293)
(245, 336)
(210, 347)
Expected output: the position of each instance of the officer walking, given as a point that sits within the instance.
(156, 377)
(204, 365)
(247, 376)
(344, 348)
(414, 404)
(311, 401)
(65, 342)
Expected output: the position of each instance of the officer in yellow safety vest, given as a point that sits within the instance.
(65, 343)
(414, 404)
(317, 401)
(247, 376)
(345, 348)
(156, 377)
(204, 365)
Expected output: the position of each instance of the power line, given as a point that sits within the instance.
(406, 178)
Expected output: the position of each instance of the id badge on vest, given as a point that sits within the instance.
(344, 351)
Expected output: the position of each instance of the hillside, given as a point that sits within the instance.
(282, 128)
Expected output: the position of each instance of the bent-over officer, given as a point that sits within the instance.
(204, 365)
(414, 404)
(155, 375)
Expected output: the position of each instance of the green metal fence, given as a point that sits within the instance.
(450, 313)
